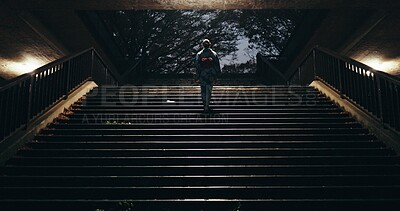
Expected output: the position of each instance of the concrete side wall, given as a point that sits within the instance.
(391, 138)
(380, 47)
(365, 35)
(11, 145)
(198, 4)
(22, 49)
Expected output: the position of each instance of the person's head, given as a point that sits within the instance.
(206, 43)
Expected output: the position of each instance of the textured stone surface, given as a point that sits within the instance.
(381, 47)
(198, 4)
(21, 48)
(19, 43)
(333, 30)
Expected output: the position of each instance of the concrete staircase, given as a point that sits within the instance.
(152, 148)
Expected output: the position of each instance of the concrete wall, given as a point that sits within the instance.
(22, 49)
(366, 35)
(32, 38)
(36, 32)
(380, 47)
(198, 4)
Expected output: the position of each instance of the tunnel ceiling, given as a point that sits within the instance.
(197, 4)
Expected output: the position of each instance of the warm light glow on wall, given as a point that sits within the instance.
(11, 69)
(25, 66)
(389, 66)
(192, 3)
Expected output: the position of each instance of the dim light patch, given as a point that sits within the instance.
(389, 66)
(11, 69)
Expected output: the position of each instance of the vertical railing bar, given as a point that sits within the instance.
(68, 78)
(363, 88)
(369, 94)
(57, 82)
(105, 68)
(39, 94)
(357, 83)
(11, 120)
(61, 79)
(24, 101)
(397, 107)
(339, 63)
(9, 112)
(3, 129)
(2, 100)
(392, 105)
(76, 73)
(5, 101)
(379, 85)
(43, 85)
(350, 77)
(315, 63)
(71, 75)
(359, 91)
(35, 88)
(397, 97)
(346, 79)
(43, 91)
(370, 90)
(53, 87)
(92, 65)
(18, 105)
(13, 109)
(46, 88)
(50, 87)
(376, 95)
(28, 97)
(354, 94)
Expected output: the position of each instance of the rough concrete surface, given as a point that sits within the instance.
(21, 48)
(380, 48)
(198, 4)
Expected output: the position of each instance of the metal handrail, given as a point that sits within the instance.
(112, 72)
(30, 95)
(373, 91)
(15, 80)
(54, 63)
(270, 71)
(359, 64)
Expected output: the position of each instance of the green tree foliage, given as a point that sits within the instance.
(167, 41)
(269, 30)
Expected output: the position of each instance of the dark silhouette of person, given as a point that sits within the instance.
(208, 67)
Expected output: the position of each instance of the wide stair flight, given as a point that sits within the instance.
(152, 148)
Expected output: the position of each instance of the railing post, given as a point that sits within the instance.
(92, 65)
(315, 63)
(106, 69)
(340, 78)
(30, 99)
(68, 79)
(380, 103)
(300, 69)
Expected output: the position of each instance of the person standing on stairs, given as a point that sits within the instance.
(208, 67)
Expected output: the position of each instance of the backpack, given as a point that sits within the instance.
(206, 59)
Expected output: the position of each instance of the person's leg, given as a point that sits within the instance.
(203, 87)
(209, 87)
(206, 89)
